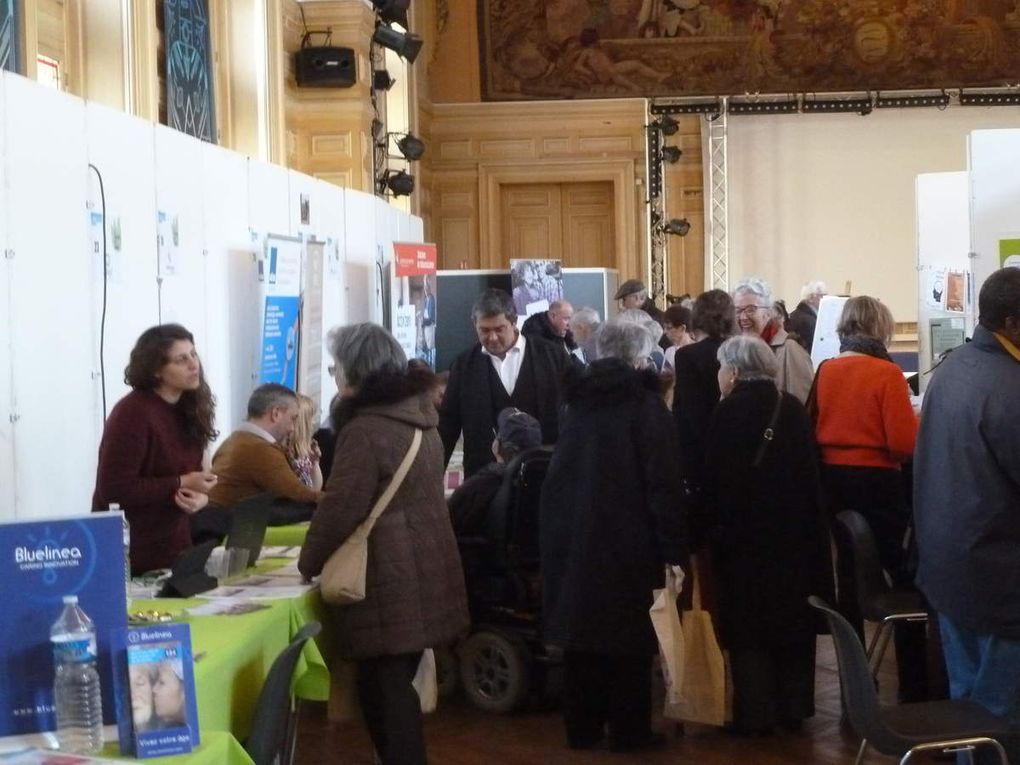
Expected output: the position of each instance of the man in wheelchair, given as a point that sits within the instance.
(516, 432)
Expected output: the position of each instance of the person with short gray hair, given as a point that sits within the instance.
(627, 341)
(360, 351)
(414, 583)
(752, 301)
(748, 358)
(503, 369)
(767, 537)
(552, 325)
(268, 396)
(584, 325)
(803, 318)
(611, 524)
(651, 326)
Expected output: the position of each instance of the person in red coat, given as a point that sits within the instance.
(150, 456)
(866, 428)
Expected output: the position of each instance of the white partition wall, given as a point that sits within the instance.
(51, 279)
(943, 244)
(994, 164)
(52, 340)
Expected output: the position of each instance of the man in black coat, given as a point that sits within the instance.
(552, 325)
(504, 369)
(803, 318)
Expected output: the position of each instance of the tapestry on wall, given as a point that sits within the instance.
(8, 35)
(189, 96)
(614, 48)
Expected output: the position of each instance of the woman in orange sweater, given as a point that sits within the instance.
(866, 428)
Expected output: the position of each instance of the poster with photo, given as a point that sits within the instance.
(167, 242)
(414, 300)
(536, 284)
(956, 291)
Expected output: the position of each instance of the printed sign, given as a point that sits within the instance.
(41, 562)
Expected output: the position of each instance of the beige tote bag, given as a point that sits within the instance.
(343, 577)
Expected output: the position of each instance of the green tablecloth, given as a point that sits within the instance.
(235, 654)
(217, 748)
(287, 536)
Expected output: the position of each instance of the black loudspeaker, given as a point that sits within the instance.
(322, 67)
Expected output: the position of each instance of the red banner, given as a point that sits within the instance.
(414, 259)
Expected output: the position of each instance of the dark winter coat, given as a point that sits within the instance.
(771, 548)
(538, 325)
(967, 488)
(802, 322)
(414, 595)
(610, 517)
(475, 395)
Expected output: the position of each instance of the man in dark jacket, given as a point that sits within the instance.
(802, 319)
(504, 369)
(552, 325)
(967, 504)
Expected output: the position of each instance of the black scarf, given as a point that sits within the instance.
(869, 346)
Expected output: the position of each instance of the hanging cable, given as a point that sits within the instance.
(106, 277)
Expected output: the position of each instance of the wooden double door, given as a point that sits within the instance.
(571, 222)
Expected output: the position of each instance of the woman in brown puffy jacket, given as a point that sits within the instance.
(414, 588)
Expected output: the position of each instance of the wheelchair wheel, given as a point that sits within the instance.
(495, 672)
(447, 672)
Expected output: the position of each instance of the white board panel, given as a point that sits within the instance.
(52, 342)
(330, 223)
(6, 426)
(231, 343)
(943, 242)
(182, 292)
(993, 157)
(122, 149)
(362, 281)
(268, 199)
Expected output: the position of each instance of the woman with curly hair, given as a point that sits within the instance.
(150, 456)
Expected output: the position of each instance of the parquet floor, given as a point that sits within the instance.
(460, 735)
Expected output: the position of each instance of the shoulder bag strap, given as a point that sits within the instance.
(398, 478)
(770, 430)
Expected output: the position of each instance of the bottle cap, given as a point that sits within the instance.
(68, 599)
(114, 506)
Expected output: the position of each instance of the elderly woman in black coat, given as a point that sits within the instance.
(610, 524)
(762, 480)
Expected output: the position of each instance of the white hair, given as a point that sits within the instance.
(625, 340)
(642, 319)
(586, 316)
(756, 286)
(813, 288)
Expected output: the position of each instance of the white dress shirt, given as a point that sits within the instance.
(250, 427)
(509, 367)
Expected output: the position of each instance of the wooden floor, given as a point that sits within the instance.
(460, 735)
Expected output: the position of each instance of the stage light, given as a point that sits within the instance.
(676, 226)
(671, 154)
(381, 80)
(393, 11)
(398, 182)
(666, 125)
(689, 107)
(861, 105)
(404, 44)
(940, 100)
(411, 147)
(788, 106)
(993, 98)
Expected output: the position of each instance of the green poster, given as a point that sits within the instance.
(1009, 253)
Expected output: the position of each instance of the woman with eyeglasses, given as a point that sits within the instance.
(754, 308)
(150, 456)
(768, 538)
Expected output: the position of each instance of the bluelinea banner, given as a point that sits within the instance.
(40, 562)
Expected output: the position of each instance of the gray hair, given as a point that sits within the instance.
(813, 288)
(589, 317)
(756, 286)
(625, 340)
(267, 396)
(494, 302)
(363, 350)
(750, 357)
(642, 319)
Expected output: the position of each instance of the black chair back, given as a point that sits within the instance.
(512, 520)
(859, 696)
(868, 574)
(270, 727)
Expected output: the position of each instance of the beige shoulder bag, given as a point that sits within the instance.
(343, 577)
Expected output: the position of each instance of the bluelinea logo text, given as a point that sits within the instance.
(45, 554)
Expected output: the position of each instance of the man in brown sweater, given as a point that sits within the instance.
(252, 461)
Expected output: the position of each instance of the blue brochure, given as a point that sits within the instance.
(40, 562)
(154, 680)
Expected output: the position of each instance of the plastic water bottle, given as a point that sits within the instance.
(76, 693)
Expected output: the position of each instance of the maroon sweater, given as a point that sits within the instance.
(144, 451)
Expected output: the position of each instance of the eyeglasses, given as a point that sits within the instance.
(748, 309)
(332, 369)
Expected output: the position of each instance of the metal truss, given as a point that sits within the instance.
(717, 246)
